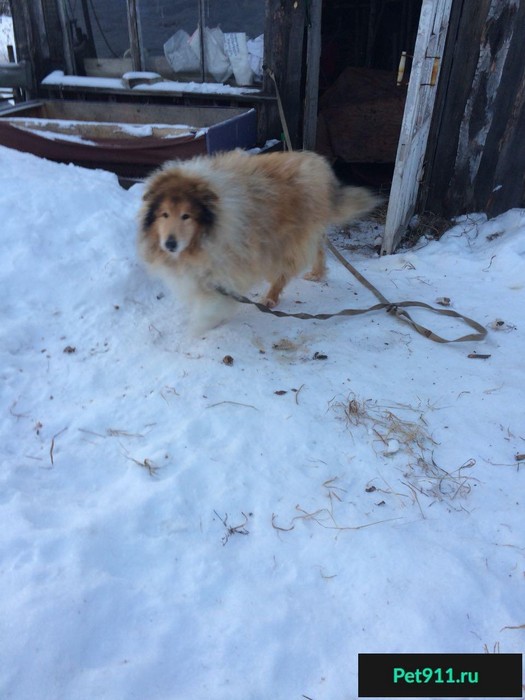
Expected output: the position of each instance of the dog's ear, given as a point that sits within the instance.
(157, 186)
(205, 201)
(149, 216)
(149, 212)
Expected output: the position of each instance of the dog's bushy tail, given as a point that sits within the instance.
(352, 202)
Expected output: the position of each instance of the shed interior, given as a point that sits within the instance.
(361, 93)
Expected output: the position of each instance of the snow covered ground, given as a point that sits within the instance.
(177, 525)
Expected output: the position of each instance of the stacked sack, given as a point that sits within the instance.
(225, 54)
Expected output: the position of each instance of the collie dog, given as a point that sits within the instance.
(233, 220)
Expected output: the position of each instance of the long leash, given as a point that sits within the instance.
(397, 309)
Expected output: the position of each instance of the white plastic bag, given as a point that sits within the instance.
(236, 48)
(179, 53)
(256, 52)
(216, 61)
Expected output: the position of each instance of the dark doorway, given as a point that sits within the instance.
(361, 92)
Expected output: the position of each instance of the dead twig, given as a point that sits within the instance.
(91, 432)
(115, 432)
(148, 464)
(233, 529)
(233, 403)
(316, 517)
(513, 627)
(52, 448)
(17, 415)
(281, 529)
(297, 394)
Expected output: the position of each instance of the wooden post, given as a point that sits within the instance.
(202, 39)
(91, 51)
(137, 52)
(284, 37)
(417, 117)
(67, 39)
(313, 57)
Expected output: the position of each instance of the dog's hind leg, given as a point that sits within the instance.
(318, 271)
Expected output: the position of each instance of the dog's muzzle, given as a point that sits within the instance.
(171, 244)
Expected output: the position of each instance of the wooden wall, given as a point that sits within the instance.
(476, 152)
(25, 39)
(284, 47)
(38, 36)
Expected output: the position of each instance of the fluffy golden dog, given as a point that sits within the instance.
(233, 220)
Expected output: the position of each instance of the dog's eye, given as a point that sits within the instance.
(164, 215)
(184, 216)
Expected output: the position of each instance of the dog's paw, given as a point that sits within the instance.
(269, 302)
(314, 276)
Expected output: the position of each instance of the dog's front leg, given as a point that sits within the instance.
(272, 296)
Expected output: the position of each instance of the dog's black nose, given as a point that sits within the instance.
(171, 244)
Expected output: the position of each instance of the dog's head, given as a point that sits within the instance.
(178, 212)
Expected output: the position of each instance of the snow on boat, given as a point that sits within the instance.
(129, 139)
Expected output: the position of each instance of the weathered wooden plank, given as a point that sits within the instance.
(417, 117)
(501, 172)
(478, 161)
